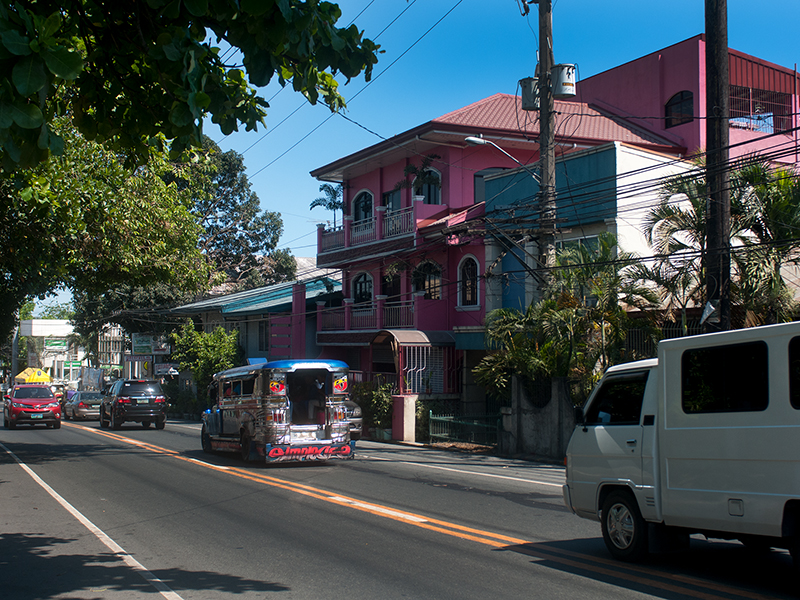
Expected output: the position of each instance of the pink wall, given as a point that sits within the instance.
(642, 87)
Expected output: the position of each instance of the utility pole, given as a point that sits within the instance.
(718, 221)
(547, 204)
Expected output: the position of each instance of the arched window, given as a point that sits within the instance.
(679, 109)
(427, 278)
(430, 186)
(362, 289)
(468, 282)
(390, 287)
(362, 207)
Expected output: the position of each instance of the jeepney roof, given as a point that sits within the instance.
(285, 365)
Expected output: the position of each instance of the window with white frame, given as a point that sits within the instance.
(468, 282)
(362, 207)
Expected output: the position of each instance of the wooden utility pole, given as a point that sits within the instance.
(547, 215)
(718, 221)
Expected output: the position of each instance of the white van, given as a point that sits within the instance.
(704, 439)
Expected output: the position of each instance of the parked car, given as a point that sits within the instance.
(137, 400)
(83, 405)
(353, 414)
(31, 403)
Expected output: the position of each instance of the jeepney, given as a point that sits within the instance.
(280, 411)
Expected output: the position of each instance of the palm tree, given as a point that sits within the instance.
(579, 326)
(770, 201)
(765, 228)
(332, 200)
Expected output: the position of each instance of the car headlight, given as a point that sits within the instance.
(51, 405)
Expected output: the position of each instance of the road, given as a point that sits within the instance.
(89, 513)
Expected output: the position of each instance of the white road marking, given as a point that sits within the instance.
(379, 509)
(159, 585)
(464, 471)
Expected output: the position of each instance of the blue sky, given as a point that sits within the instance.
(441, 55)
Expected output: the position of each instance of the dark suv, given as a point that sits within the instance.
(137, 400)
(31, 404)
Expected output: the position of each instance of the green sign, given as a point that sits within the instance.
(72, 364)
(55, 344)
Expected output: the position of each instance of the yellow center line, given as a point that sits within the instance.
(467, 533)
(573, 559)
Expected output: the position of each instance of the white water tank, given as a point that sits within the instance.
(563, 78)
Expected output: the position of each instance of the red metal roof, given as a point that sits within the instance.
(574, 120)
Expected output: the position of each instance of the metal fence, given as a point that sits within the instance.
(473, 429)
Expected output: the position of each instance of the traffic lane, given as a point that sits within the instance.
(45, 552)
(266, 539)
(555, 533)
(456, 483)
(584, 559)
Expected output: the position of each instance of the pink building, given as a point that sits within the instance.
(665, 93)
(413, 260)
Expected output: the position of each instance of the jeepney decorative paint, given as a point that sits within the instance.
(271, 412)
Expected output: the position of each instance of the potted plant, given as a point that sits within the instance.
(422, 175)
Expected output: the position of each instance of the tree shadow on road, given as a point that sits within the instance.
(39, 567)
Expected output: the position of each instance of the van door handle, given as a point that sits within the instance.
(631, 442)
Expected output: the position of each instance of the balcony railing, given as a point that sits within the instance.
(398, 222)
(397, 315)
(362, 232)
(333, 239)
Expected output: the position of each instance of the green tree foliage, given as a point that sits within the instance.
(238, 239)
(85, 222)
(63, 311)
(137, 77)
(205, 353)
(130, 71)
(765, 236)
(578, 328)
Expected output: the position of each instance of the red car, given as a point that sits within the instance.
(31, 403)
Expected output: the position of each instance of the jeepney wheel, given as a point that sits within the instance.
(205, 441)
(245, 443)
(624, 529)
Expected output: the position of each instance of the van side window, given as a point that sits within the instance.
(794, 372)
(619, 401)
(725, 378)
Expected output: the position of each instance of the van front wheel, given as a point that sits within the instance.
(624, 529)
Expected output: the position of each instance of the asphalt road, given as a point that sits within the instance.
(89, 513)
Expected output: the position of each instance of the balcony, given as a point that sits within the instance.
(384, 225)
(366, 316)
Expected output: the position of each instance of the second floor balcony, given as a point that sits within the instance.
(384, 225)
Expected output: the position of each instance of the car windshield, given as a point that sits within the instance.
(33, 392)
(141, 388)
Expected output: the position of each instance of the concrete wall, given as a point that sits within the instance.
(538, 424)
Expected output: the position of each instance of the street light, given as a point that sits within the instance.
(479, 141)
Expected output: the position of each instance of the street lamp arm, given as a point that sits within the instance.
(479, 141)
